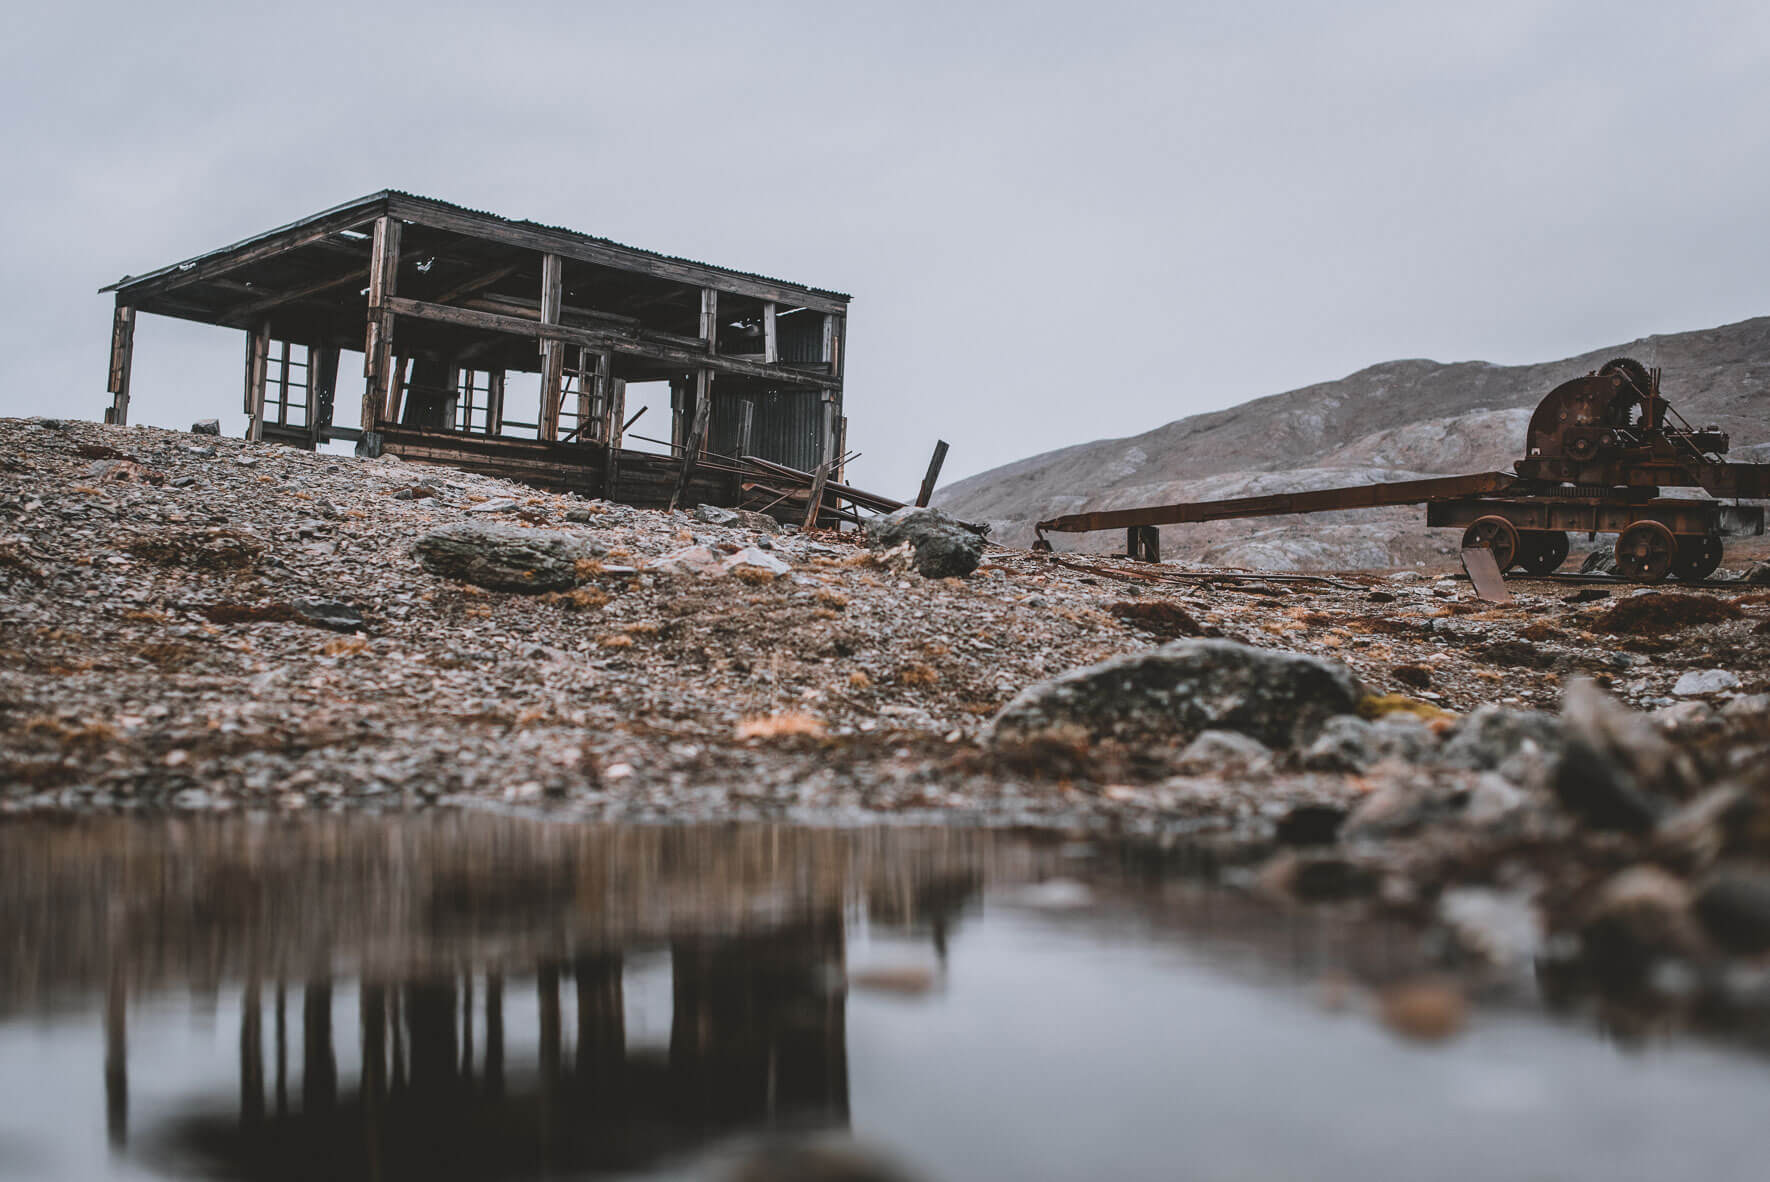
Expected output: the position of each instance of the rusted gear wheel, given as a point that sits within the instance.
(1543, 550)
(1644, 552)
(1629, 407)
(1697, 558)
(1496, 534)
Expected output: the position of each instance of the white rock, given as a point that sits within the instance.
(1698, 682)
(690, 560)
(754, 559)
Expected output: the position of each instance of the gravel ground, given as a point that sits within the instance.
(157, 650)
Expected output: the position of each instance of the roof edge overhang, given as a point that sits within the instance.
(427, 211)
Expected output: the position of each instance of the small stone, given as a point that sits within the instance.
(415, 492)
(715, 515)
(1638, 916)
(1734, 906)
(1224, 753)
(689, 560)
(751, 562)
(1428, 1010)
(1616, 769)
(1700, 682)
(206, 427)
(183, 481)
(1599, 562)
(495, 505)
(325, 613)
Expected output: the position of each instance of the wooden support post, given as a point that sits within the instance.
(1143, 543)
(710, 319)
(697, 433)
(828, 349)
(378, 339)
(396, 386)
(495, 402)
(815, 504)
(283, 385)
(933, 475)
(257, 367)
(771, 352)
(122, 353)
(617, 412)
(841, 444)
(552, 351)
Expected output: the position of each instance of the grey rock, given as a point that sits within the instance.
(415, 492)
(1734, 906)
(206, 427)
(1502, 927)
(1348, 743)
(503, 557)
(495, 505)
(1599, 562)
(1224, 753)
(183, 481)
(326, 613)
(1638, 916)
(1172, 693)
(1697, 834)
(1617, 771)
(1701, 682)
(689, 560)
(943, 545)
(1492, 736)
(1758, 574)
(1409, 799)
(1310, 824)
(715, 515)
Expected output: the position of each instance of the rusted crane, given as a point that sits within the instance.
(1597, 454)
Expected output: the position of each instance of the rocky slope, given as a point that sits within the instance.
(1393, 421)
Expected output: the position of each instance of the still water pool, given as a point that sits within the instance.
(495, 998)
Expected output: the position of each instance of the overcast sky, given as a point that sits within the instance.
(1058, 221)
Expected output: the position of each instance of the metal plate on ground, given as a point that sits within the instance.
(1484, 572)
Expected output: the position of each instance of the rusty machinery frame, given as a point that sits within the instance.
(1598, 451)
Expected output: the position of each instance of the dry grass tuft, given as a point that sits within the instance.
(345, 646)
(1158, 617)
(619, 640)
(859, 680)
(578, 598)
(918, 673)
(1378, 705)
(831, 599)
(753, 575)
(789, 724)
(587, 568)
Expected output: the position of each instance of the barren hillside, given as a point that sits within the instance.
(1392, 421)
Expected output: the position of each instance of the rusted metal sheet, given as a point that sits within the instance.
(1484, 572)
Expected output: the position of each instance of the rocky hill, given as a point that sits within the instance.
(1394, 421)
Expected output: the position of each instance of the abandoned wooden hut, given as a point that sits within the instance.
(507, 347)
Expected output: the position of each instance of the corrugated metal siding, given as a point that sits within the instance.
(785, 427)
(800, 336)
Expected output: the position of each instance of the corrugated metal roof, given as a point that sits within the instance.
(374, 198)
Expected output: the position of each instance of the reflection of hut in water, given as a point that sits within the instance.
(431, 923)
(757, 1041)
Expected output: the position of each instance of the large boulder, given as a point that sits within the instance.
(944, 546)
(504, 557)
(1173, 693)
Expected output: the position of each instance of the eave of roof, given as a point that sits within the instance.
(381, 198)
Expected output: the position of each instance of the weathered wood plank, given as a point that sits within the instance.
(257, 371)
(697, 432)
(552, 350)
(122, 360)
(624, 344)
(815, 501)
(710, 319)
(771, 351)
(378, 337)
(933, 474)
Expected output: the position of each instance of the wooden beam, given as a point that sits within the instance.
(477, 283)
(710, 319)
(257, 371)
(697, 432)
(933, 474)
(251, 312)
(771, 352)
(552, 350)
(746, 416)
(203, 268)
(122, 359)
(815, 503)
(582, 248)
(643, 345)
(378, 339)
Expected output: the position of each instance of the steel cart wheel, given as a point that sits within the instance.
(1496, 534)
(1644, 552)
(1697, 558)
(1543, 550)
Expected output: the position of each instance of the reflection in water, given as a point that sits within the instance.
(431, 920)
(478, 997)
